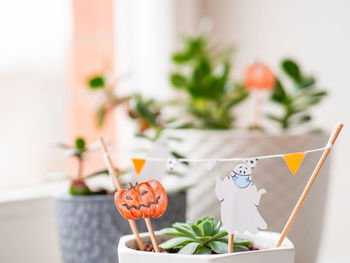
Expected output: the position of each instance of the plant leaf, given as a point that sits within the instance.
(219, 235)
(218, 247)
(303, 119)
(291, 68)
(201, 250)
(189, 249)
(239, 248)
(145, 113)
(179, 156)
(207, 228)
(273, 117)
(64, 146)
(319, 94)
(171, 232)
(178, 80)
(204, 239)
(97, 82)
(279, 95)
(80, 144)
(79, 188)
(241, 241)
(104, 171)
(306, 83)
(175, 242)
(196, 229)
(181, 57)
(218, 226)
(184, 230)
(100, 115)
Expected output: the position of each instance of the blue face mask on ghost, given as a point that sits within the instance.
(242, 181)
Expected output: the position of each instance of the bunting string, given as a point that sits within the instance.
(293, 160)
(197, 160)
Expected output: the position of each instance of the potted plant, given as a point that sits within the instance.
(88, 225)
(209, 135)
(206, 241)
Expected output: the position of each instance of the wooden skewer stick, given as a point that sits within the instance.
(230, 243)
(257, 110)
(153, 236)
(117, 183)
(309, 184)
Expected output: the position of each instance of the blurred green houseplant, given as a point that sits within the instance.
(146, 112)
(203, 73)
(297, 101)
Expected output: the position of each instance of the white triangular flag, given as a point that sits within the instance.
(171, 164)
(210, 164)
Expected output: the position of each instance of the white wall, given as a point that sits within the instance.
(35, 37)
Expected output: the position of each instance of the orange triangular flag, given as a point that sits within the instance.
(138, 165)
(293, 161)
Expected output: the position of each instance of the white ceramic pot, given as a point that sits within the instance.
(282, 188)
(264, 241)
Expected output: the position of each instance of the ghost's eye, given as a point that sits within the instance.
(244, 172)
(144, 192)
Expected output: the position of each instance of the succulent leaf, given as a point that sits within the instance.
(175, 242)
(189, 248)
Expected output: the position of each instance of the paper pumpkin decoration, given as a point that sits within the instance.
(239, 201)
(259, 76)
(148, 199)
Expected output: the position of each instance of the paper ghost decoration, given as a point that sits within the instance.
(239, 200)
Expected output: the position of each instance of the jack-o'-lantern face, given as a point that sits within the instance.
(147, 199)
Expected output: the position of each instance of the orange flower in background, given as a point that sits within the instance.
(259, 76)
(148, 199)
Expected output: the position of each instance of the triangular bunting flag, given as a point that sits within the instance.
(294, 160)
(172, 163)
(138, 165)
(210, 164)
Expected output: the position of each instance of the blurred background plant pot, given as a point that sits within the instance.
(283, 189)
(90, 227)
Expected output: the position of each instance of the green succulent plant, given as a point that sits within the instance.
(203, 73)
(295, 102)
(206, 236)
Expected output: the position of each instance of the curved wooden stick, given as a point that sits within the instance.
(113, 173)
(301, 200)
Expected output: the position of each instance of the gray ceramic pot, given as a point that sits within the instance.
(89, 227)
